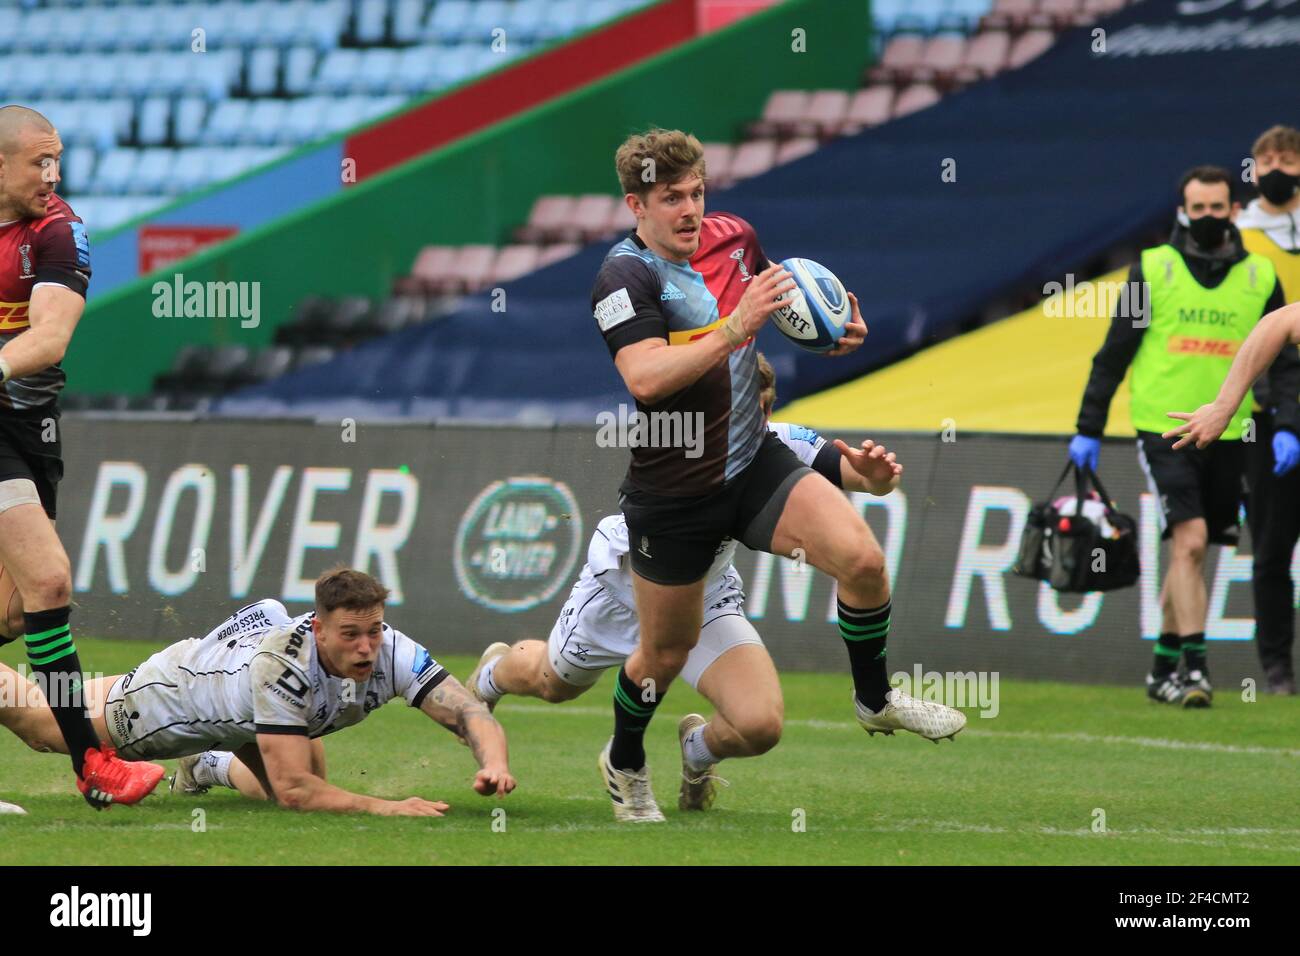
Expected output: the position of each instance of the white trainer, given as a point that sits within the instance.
(11, 808)
(928, 718)
(183, 779)
(492, 652)
(630, 793)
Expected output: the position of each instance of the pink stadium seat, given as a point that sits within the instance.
(591, 215)
(916, 97)
(795, 148)
(717, 162)
(826, 112)
(473, 267)
(901, 57)
(621, 219)
(433, 268)
(1029, 46)
(941, 58)
(1058, 13)
(557, 251)
(1010, 14)
(753, 158)
(515, 261)
(550, 215)
(1102, 8)
(986, 54)
(784, 108)
(869, 107)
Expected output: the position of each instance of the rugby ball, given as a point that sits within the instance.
(813, 314)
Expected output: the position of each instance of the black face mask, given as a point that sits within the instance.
(1278, 187)
(1208, 231)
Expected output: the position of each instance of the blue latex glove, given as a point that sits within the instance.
(1286, 452)
(1084, 450)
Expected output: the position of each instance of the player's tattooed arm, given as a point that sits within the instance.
(451, 705)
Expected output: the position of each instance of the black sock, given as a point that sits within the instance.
(54, 663)
(1194, 653)
(632, 713)
(865, 633)
(1166, 661)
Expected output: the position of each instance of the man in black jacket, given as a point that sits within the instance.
(1197, 298)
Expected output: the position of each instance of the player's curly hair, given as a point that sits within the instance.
(657, 156)
(346, 587)
(766, 384)
(1277, 139)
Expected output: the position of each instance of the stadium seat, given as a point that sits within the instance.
(1029, 46)
(192, 169)
(901, 56)
(432, 270)
(986, 55)
(514, 261)
(371, 21)
(940, 59)
(472, 268)
(377, 72)
(795, 148)
(717, 163)
(527, 18)
(154, 115)
(187, 123)
(591, 215)
(77, 169)
(485, 17)
(826, 112)
(184, 369)
(338, 71)
(407, 17)
(299, 65)
(153, 172)
(312, 355)
(393, 315)
(753, 158)
(448, 21)
(555, 252)
(1010, 14)
(263, 71)
(869, 107)
(784, 110)
(549, 217)
(1059, 14)
(115, 171)
(916, 97)
(416, 70)
(621, 218)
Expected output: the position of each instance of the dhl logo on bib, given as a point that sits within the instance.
(1190, 345)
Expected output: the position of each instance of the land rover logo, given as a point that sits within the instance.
(517, 543)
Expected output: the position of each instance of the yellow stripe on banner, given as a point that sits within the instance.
(1023, 374)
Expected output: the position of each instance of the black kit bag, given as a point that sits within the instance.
(1075, 552)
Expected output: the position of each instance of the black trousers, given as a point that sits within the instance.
(1273, 514)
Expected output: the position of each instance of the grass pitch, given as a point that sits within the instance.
(1027, 787)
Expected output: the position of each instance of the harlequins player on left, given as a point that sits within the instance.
(44, 273)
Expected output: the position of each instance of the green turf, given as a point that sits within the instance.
(1177, 787)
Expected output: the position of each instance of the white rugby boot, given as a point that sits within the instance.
(491, 653)
(629, 792)
(6, 808)
(699, 787)
(927, 718)
(183, 779)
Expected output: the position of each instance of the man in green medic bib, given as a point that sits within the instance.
(1191, 304)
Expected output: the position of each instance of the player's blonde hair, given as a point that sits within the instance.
(657, 156)
(1277, 139)
(348, 588)
(766, 384)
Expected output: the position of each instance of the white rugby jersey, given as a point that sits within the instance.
(607, 552)
(258, 672)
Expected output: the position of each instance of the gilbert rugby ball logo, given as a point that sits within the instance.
(517, 543)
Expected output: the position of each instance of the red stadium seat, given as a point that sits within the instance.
(796, 148)
(515, 261)
(754, 157)
(550, 216)
(916, 97)
(783, 110)
(1029, 46)
(986, 54)
(869, 107)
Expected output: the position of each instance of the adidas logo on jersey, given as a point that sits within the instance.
(671, 292)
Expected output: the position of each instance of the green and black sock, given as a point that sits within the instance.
(632, 713)
(865, 632)
(1166, 661)
(1194, 653)
(55, 666)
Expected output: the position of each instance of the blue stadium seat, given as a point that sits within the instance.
(306, 119)
(192, 169)
(416, 69)
(153, 119)
(456, 64)
(486, 16)
(378, 71)
(115, 171)
(299, 65)
(408, 16)
(284, 23)
(598, 11)
(563, 17)
(371, 21)
(326, 23)
(526, 20)
(226, 122)
(266, 121)
(187, 123)
(263, 71)
(153, 173)
(77, 168)
(338, 71)
(448, 21)
(10, 29)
